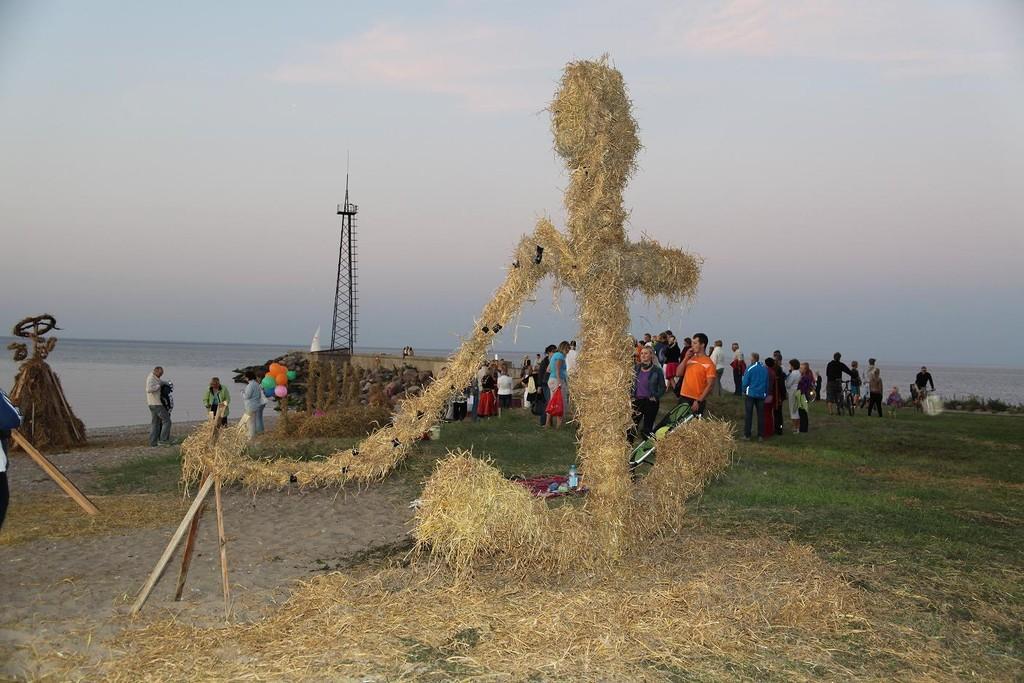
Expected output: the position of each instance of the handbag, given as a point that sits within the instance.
(555, 405)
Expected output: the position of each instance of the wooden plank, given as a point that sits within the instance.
(55, 473)
(223, 552)
(186, 521)
(190, 546)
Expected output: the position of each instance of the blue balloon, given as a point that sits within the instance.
(269, 393)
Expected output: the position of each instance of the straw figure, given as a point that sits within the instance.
(48, 421)
(596, 136)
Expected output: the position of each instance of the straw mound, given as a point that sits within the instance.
(706, 606)
(471, 516)
(209, 449)
(57, 516)
(469, 511)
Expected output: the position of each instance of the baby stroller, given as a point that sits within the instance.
(642, 452)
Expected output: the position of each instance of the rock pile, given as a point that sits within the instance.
(381, 387)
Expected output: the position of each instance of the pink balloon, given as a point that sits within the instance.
(280, 391)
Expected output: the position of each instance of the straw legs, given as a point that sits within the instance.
(160, 425)
(753, 405)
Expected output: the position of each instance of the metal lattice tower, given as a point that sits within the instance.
(343, 332)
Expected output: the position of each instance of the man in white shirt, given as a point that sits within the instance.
(570, 357)
(505, 383)
(160, 417)
(718, 358)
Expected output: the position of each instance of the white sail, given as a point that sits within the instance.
(315, 346)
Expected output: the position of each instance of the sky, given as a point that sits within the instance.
(851, 173)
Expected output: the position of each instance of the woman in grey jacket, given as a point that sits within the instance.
(251, 396)
(648, 388)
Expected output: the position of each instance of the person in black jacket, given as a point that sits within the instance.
(10, 419)
(834, 381)
(923, 379)
(543, 374)
(780, 382)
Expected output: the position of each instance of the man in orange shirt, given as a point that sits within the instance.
(699, 375)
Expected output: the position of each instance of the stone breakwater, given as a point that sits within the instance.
(385, 382)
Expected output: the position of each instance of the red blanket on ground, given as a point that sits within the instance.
(538, 486)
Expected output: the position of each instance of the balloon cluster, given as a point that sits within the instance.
(275, 382)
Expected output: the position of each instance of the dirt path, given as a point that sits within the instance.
(69, 595)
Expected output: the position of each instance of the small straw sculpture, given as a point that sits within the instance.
(48, 421)
(596, 135)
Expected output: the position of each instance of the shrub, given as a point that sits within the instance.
(996, 406)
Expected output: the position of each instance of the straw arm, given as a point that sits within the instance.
(656, 271)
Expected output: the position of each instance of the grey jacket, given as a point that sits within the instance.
(656, 378)
(251, 396)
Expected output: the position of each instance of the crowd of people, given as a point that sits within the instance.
(541, 382)
(775, 391)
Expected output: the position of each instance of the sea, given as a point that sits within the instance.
(104, 380)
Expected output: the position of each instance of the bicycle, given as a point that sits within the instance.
(845, 400)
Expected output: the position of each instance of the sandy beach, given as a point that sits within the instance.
(65, 596)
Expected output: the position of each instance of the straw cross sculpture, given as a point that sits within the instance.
(596, 136)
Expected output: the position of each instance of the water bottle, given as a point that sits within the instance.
(574, 479)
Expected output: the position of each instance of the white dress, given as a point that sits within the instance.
(792, 380)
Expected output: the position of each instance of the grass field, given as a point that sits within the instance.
(924, 515)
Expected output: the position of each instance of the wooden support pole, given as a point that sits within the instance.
(154, 576)
(55, 474)
(190, 546)
(223, 552)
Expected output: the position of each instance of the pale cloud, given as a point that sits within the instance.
(511, 67)
(906, 39)
(482, 66)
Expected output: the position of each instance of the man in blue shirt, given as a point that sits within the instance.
(755, 388)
